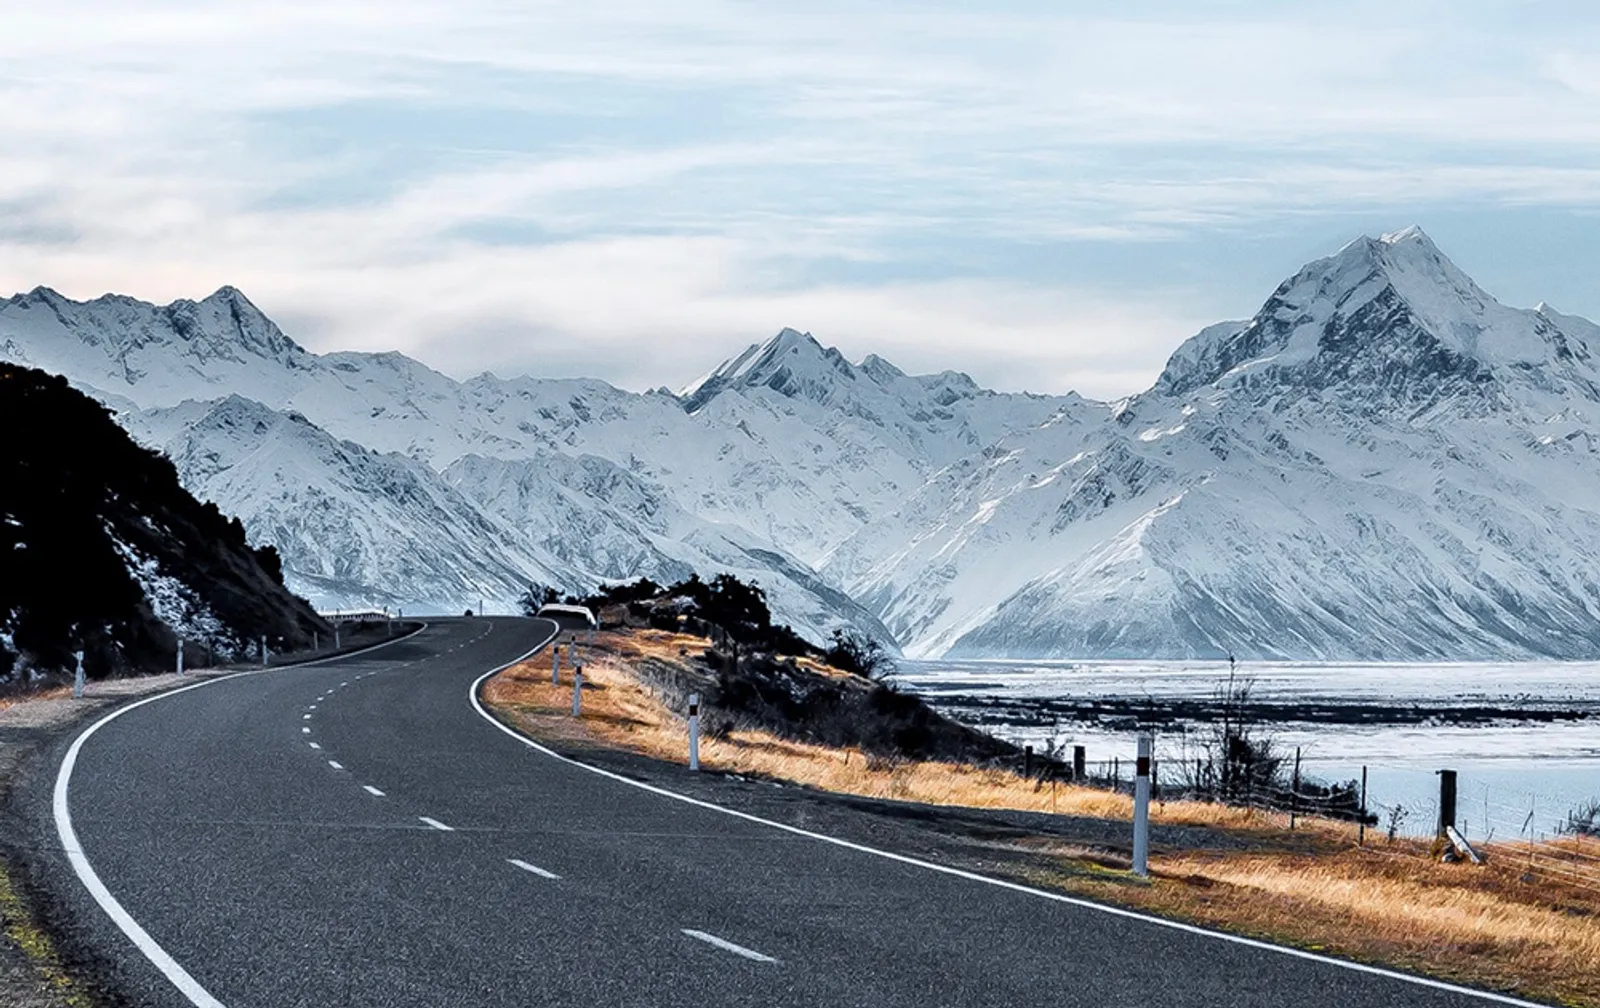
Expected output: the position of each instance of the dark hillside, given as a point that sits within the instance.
(102, 550)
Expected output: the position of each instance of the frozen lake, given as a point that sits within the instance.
(1509, 769)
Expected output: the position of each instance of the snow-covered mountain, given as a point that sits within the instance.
(1384, 462)
(556, 481)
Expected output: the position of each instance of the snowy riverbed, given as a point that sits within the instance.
(1508, 768)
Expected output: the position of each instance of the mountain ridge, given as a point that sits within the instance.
(1376, 418)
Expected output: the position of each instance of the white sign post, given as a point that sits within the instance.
(694, 731)
(1141, 808)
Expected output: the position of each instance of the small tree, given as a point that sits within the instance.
(858, 653)
(536, 598)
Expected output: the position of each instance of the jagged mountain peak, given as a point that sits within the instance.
(1392, 312)
(223, 324)
(791, 363)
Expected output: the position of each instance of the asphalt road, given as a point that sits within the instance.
(356, 834)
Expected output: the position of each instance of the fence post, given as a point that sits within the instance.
(1116, 774)
(555, 665)
(694, 731)
(1294, 789)
(1027, 761)
(577, 691)
(77, 677)
(1447, 801)
(1141, 808)
(1079, 758)
(1361, 829)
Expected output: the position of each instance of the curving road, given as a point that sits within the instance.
(356, 833)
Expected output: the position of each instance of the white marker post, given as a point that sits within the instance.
(316, 642)
(180, 656)
(336, 636)
(77, 677)
(555, 665)
(694, 731)
(263, 651)
(1141, 809)
(577, 691)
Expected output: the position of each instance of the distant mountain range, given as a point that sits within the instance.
(1383, 463)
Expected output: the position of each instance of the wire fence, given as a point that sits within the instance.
(1549, 838)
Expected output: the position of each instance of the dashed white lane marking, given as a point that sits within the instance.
(305, 731)
(305, 717)
(728, 946)
(158, 957)
(436, 824)
(535, 869)
(346, 683)
(312, 707)
(313, 745)
(374, 792)
(336, 764)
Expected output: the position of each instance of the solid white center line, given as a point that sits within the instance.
(436, 824)
(313, 745)
(335, 764)
(372, 790)
(525, 866)
(728, 946)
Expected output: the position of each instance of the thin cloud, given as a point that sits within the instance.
(734, 162)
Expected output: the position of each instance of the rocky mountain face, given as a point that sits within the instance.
(102, 551)
(1384, 462)
(382, 481)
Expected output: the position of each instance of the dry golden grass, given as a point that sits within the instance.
(1484, 926)
(620, 710)
(51, 693)
(1387, 903)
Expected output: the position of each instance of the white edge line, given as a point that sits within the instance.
(180, 977)
(436, 824)
(525, 866)
(728, 946)
(1420, 981)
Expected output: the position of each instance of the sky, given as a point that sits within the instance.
(1048, 196)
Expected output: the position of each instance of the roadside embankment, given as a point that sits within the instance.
(1388, 903)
